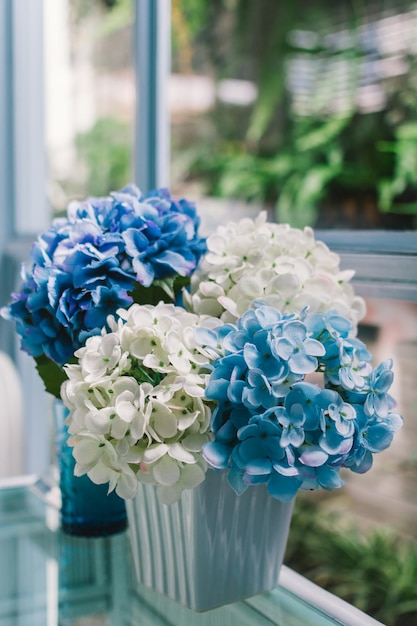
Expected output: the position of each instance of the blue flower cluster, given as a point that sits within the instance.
(87, 264)
(273, 426)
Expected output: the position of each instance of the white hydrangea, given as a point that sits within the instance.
(283, 266)
(136, 401)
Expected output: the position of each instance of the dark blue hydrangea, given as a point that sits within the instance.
(271, 426)
(86, 266)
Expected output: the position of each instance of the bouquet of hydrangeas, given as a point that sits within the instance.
(162, 394)
(106, 253)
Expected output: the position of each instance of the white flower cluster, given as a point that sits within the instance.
(136, 401)
(285, 267)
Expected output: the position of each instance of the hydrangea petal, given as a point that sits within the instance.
(217, 454)
(284, 488)
(166, 471)
(378, 438)
(235, 480)
(313, 456)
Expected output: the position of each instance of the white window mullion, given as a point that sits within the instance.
(153, 60)
(27, 208)
(6, 142)
(31, 210)
(7, 340)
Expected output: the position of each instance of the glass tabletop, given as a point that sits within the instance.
(48, 578)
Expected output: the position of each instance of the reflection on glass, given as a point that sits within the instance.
(90, 95)
(307, 108)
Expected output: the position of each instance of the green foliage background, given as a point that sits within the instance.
(267, 152)
(375, 570)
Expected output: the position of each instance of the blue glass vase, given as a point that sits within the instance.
(87, 510)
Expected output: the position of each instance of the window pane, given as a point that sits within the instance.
(305, 108)
(90, 96)
(387, 493)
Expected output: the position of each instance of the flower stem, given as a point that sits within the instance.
(144, 375)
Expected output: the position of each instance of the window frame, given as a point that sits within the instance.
(6, 163)
(385, 262)
(152, 53)
(24, 208)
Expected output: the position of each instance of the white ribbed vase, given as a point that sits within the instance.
(212, 547)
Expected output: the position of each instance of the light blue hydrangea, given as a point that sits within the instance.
(273, 427)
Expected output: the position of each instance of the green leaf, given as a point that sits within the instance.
(321, 136)
(270, 95)
(407, 131)
(164, 289)
(52, 375)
